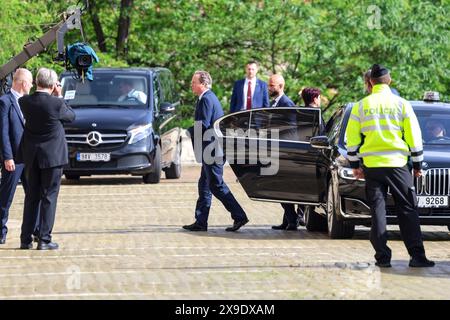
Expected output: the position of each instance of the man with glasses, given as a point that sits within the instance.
(12, 126)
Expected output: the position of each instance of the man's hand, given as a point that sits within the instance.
(358, 173)
(9, 165)
(57, 90)
(418, 173)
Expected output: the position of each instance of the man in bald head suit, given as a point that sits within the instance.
(11, 126)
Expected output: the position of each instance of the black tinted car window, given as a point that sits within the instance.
(435, 126)
(167, 87)
(116, 89)
(235, 125)
(293, 124)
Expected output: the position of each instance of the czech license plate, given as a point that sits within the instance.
(432, 201)
(93, 157)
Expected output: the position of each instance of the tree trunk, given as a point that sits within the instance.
(123, 27)
(101, 41)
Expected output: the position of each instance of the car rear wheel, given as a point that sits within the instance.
(313, 220)
(337, 229)
(72, 177)
(174, 171)
(155, 175)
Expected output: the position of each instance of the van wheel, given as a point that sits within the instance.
(337, 229)
(313, 220)
(73, 177)
(174, 171)
(155, 175)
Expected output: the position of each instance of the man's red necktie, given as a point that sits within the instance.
(249, 96)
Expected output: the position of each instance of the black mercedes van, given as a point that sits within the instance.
(123, 124)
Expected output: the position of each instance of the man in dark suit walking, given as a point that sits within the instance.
(44, 153)
(207, 111)
(11, 125)
(291, 217)
(250, 92)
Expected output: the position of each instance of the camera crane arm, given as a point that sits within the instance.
(71, 20)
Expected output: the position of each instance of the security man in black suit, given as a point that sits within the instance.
(291, 217)
(44, 152)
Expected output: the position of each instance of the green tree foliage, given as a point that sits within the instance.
(324, 43)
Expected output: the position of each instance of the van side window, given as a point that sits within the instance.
(167, 87)
(156, 94)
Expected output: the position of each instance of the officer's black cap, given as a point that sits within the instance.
(378, 71)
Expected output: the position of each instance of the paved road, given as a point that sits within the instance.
(121, 239)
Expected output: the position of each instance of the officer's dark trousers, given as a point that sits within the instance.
(211, 182)
(290, 215)
(42, 195)
(400, 183)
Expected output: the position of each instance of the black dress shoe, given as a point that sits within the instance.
(237, 225)
(381, 264)
(26, 246)
(280, 227)
(2, 240)
(42, 245)
(421, 262)
(195, 227)
(291, 227)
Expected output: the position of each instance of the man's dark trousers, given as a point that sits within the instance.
(211, 183)
(43, 186)
(8, 186)
(400, 183)
(290, 215)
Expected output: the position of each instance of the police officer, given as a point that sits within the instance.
(383, 130)
(208, 110)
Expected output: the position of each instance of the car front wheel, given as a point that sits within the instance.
(155, 175)
(337, 228)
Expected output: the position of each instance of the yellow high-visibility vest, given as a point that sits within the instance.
(383, 130)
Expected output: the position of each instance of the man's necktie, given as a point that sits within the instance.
(249, 95)
(272, 103)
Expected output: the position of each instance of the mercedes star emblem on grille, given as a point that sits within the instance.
(94, 138)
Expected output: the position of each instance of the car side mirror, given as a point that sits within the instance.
(320, 142)
(167, 107)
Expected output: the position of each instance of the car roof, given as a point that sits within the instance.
(127, 69)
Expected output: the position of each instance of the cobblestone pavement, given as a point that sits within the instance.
(122, 239)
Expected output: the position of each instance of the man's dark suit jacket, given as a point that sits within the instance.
(260, 96)
(44, 139)
(285, 102)
(11, 126)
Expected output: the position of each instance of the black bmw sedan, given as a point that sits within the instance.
(281, 155)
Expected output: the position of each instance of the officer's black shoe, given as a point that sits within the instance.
(26, 246)
(195, 227)
(282, 226)
(3, 240)
(420, 262)
(237, 225)
(382, 264)
(42, 245)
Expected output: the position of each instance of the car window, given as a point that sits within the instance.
(235, 125)
(293, 124)
(435, 126)
(168, 93)
(334, 125)
(119, 89)
(156, 94)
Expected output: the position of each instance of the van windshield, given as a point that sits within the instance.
(115, 90)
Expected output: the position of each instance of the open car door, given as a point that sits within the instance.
(269, 151)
